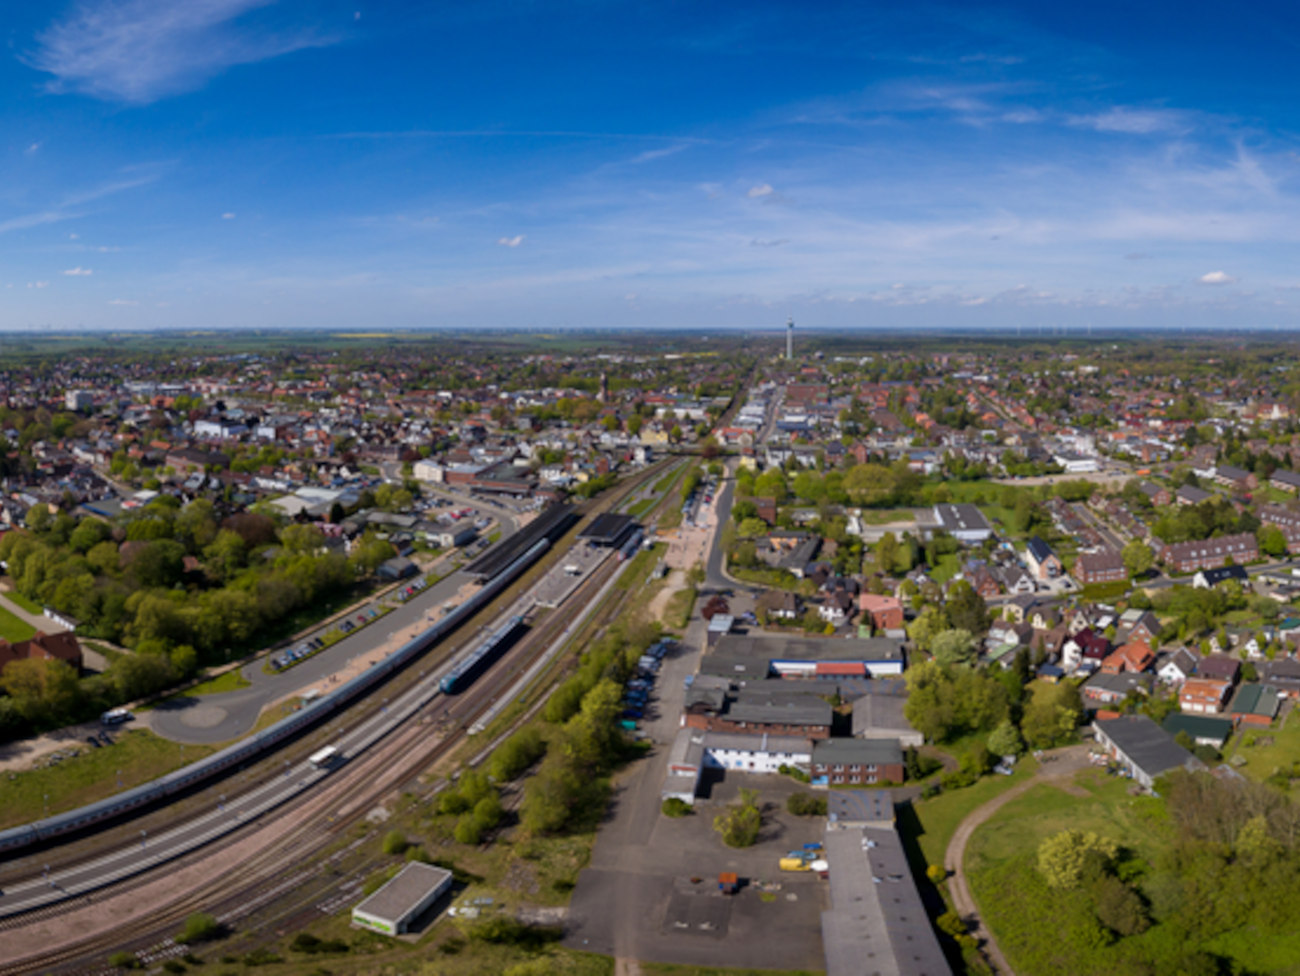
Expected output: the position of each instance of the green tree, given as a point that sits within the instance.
(1271, 540)
(966, 609)
(1052, 715)
(741, 824)
(1067, 858)
(45, 691)
(928, 625)
(1137, 557)
(955, 646)
(1119, 907)
(1005, 740)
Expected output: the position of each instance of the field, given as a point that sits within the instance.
(231, 680)
(938, 817)
(138, 755)
(31, 606)
(14, 629)
(1262, 761)
(1045, 931)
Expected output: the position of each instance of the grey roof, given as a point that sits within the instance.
(783, 710)
(1147, 746)
(1039, 549)
(1198, 726)
(876, 713)
(1191, 493)
(861, 808)
(737, 667)
(1256, 699)
(406, 891)
(867, 751)
(780, 648)
(1120, 684)
(712, 698)
(877, 923)
(962, 518)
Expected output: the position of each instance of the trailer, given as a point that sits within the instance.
(323, 758)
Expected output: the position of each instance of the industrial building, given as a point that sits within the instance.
(396, 905)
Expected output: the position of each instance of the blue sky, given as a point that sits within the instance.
(247, 163)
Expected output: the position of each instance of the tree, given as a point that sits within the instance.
(931, 622)
(1067, 858)
(1271, 540)
(1005, 740)
(1052, 715)
(966, 609)
(887, 552)
(954, 646)
(1119, 907)
(1137, 557)
(740, 825)
(44, 690)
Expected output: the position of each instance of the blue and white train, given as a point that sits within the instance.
(478, 660)
(257, 746)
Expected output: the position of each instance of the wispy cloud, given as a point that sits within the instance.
(762, 190)
(122, 301)
(1216, 278)
(511, 241)
(32, 149)
(38, 284)
(138, 51)
(228, 215)
(760, 242)
(79, 272)
(1134, 121)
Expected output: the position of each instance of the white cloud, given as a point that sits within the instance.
(763, 242)
(1133, 121)
(38, 284)
(1216, 278)
(32, 149)
(228, 215)
(511, 241)
(122, 301)
(74, 237)
(141, 50)
(78, 272)
(762, 190)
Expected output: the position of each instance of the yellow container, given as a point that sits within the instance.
(793, 864)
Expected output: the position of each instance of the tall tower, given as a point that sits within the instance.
(604, 387)
(789, 338)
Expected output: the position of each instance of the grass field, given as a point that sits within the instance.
(31, 606)
(231, 680)
(139, 755)
(1262, 761)
(14, 629)
(640, 508)
(669, 969)
(940, 816)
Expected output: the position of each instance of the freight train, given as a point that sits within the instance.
(257, 746)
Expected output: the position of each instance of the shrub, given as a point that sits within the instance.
(936, 873)
(740, 826)
(261, 957)
(192, 959)
(675, 806)
(308, 943)
(395, 842)
(199, 927)
(174, 966)
(124, 960)
(794, 772)
(516, 754)
(806, 805)
(509, 931)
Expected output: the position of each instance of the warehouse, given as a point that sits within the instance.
(396, 905)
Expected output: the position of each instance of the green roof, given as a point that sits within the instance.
(1255, 699)
(1198, 726)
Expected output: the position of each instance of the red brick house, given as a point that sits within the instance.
(1102, 566)
(51, 647)
(886, 612)
(1188, 557)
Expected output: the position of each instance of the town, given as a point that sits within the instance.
(993, 624)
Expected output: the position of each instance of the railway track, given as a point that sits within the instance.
(317, 820)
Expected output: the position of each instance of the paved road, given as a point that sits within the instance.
(715, 571)
(1060, 766)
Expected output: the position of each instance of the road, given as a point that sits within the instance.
(1102, 528)
(1059, 767)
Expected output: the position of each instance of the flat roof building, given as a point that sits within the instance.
(396, 905)
(611, 529)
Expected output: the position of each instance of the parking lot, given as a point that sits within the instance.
(655, 896)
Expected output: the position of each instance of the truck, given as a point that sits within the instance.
(572, 569)
(728, 882)
(115, 716)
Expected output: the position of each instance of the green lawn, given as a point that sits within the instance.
(139, 755)
(1046, 931)
(669, 969)
(31, 606)
(14, 629)
(1262, 761)
(641, 507)
(940, 816)
(231, 680)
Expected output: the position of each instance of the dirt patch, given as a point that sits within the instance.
(674, 581)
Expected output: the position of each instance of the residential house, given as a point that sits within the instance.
(1043, 563)
(778, 605)
(1218, 667)
(1104, 565)
(1203, 730)
(1203, 696)
(1133, 656)
(1176, 667)
(1285, 480)
(1283, 674)
(1143, 748)
(838, 762)
(1207, 579)
(1238, 479)
(1158, 495)
(41, 646)
(1191, 495)
(1015, 579)
(1187, 557)
(791, 551)
(1145, 627)
(885, 612)
(1109, 689)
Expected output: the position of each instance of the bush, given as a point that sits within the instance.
(509, 931)
(516, 754)
(740, 826)
(261, 957)
(308, 943)
(199, 927)
(395, 842)
(806, 805)
(174, 966)
(192, 959)
(675, 806)
(937, 873)
(794, 772)
(124, 960)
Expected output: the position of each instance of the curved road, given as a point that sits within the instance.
(1058, 765)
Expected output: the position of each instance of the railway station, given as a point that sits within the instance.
(393, 908)
(609, 531)
(552, 523)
